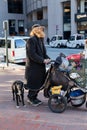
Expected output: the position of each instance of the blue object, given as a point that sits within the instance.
(76, 93)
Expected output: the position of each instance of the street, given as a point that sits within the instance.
(35, 118)
(53, 52)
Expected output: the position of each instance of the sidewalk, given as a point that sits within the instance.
(12, 66)
(30, 117)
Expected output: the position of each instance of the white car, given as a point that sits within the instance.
(76, 41)
(16, 48)
(1, 57)
(58, 41)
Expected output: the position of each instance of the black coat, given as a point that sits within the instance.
(35, 68)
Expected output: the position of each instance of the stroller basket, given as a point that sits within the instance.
(77, 97)
(80, 70)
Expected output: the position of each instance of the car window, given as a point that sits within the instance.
(25, 39)
(60, 38)
(53, 39)
(85, 37)
(78, 38)
(2, 43)
(19, 43)
(72, 38)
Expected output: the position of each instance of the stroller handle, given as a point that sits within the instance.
(55, 61)
(52, 61)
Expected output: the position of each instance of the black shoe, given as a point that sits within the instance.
(34, 102)
(38, 101)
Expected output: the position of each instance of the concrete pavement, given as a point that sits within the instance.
(11, 66)
(30, 117)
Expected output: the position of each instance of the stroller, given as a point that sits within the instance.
(63, 86)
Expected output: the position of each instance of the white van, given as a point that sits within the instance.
(16, 48)
(76, 41)
(57, 41)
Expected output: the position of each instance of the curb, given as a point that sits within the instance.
(11, 66)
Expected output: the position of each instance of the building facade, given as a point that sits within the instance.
(62, 17)
(14, 12)
(37, 12)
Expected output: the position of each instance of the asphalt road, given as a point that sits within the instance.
(54, 52)
(34, 118)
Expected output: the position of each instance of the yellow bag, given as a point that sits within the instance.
(56, 89)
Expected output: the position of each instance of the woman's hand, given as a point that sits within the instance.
(46, 61)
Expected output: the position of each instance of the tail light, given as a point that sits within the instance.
(13, 53)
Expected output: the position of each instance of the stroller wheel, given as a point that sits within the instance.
(57, 103)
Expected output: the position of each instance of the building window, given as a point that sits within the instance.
(67, 11)
(21, 27)
(15, 6)
(78, 6)
(12, 27)
(82, 27)
(39, 15)
(86, 6)
(66, 20)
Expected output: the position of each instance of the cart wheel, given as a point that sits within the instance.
(57, 103)
(82, 101)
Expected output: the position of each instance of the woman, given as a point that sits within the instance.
(35, 64)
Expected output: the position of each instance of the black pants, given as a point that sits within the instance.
(32, 94)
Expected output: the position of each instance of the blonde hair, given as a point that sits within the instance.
(38, 31)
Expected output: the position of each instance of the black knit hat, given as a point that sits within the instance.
(35, 25)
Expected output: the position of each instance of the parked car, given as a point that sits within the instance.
(76, 41)
(57, 41)
(16, 48)
(1, 57)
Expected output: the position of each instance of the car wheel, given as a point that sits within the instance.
(77, 46)
(58, 45)
(4, 58)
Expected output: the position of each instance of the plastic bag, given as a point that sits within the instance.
(65, 63)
